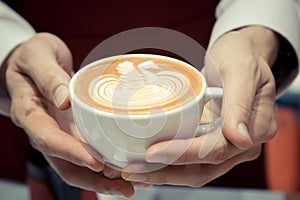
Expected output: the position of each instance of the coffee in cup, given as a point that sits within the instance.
(137, 85)
(123, 104)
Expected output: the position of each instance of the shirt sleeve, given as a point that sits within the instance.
(281, 16)
(14, 30)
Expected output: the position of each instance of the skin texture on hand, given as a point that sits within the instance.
(37, 77)
(242, 59)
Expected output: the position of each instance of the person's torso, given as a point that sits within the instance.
(84, 24)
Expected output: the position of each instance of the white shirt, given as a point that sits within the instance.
(281, 16)
(14, 30)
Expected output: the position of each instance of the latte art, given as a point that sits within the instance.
(140, 85)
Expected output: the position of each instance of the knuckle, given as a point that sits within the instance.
(23, 55)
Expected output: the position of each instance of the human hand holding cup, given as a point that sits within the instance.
(124, 104)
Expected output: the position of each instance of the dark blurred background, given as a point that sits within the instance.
(83, 25)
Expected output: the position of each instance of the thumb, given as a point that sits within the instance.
(48, 62)
(239, 94)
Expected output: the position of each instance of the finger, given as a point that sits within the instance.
(116, 174)
(47, 137)
(263, 112)
(89, 180)
(48, 62)
(190, 175)
(239, 94)
(30, 112)
(141, 185)
(212, 148)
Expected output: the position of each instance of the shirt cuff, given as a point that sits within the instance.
(14, 30)
(281, 16)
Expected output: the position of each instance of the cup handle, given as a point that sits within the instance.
(210, 93)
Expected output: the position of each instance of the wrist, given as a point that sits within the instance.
(265, 41)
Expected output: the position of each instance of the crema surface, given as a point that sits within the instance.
(138, 84)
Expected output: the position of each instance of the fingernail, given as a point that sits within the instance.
(111, 174)
(243, 130)
(134, 177)
(95, 169)
(61, 95)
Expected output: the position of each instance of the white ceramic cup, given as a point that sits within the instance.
(120, 139)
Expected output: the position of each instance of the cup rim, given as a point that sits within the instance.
(74, 97)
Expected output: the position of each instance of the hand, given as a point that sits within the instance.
(81, 176)
(243, 59)
(37, 78)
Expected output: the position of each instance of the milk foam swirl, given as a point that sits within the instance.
(142, 87)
